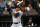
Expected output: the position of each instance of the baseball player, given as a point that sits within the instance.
(16, 16)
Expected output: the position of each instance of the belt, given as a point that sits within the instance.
(16, 23)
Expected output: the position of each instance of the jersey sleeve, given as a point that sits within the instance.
(20, 12)
(13, 10)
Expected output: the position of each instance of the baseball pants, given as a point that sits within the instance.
(17, 25)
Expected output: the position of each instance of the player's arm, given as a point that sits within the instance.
(20, 13)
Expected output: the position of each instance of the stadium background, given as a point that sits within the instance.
(6, 20)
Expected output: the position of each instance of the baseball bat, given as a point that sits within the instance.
(19, 2)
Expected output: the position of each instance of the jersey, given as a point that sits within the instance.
(18, 19)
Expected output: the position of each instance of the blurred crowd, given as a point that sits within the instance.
(28, 9)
